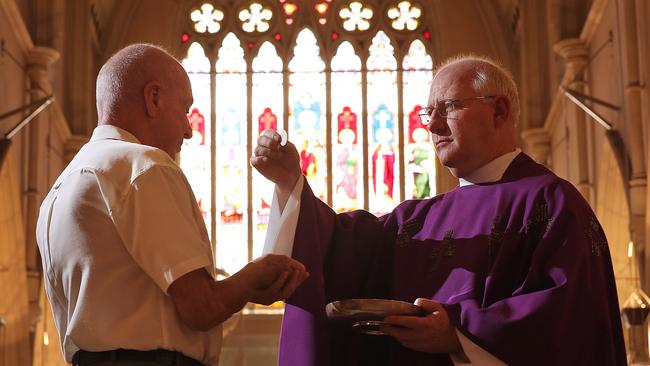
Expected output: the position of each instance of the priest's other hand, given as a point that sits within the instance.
(279, 164)
(432, 333)
(273, 277)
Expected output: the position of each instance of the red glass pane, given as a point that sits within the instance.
(267, 121)
(347, 120)
(415, 122)
(197, 122)
(185, 37)
(335, 36)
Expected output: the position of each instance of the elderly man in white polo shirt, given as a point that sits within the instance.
(128, 266)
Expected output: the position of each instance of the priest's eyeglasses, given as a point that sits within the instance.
(446, 106)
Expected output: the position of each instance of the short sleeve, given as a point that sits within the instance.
(161, 227)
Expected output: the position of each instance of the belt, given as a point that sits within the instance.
(161, 356)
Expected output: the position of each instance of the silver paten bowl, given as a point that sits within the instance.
(366, 315)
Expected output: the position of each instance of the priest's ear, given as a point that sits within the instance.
(152, 98)
(501, 111)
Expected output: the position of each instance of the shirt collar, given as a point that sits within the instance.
(110, 132)
(490, 172)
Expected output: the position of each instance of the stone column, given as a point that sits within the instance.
(576, 55)
(534, 96)
(38, 61)
(633, 114)
(537, 144)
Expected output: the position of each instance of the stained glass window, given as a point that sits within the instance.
(268, 113)
(195, 153)
(255, 18)
(348, 100)
(356, 17)
(231, 159)
(207, 18)
(405, 16)
(382, 122)
(419, 156)
(307, 110)
(347, 172)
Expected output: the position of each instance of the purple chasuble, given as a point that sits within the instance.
(521, 266)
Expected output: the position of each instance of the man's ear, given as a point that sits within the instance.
(152, 98)
(501, 110)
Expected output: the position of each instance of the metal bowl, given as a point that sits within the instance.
(366, 315)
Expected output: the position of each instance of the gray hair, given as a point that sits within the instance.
(490, 77)
(123, 76)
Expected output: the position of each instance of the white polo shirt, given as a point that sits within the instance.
(118, 227)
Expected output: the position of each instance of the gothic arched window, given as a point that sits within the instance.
(345, 79)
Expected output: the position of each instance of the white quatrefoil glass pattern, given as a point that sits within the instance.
(356, 17)
(207, 18)
(255, 18)
(404, 16)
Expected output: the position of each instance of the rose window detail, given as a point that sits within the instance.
(404, 16)
(356, 17)
(255, 18)
(206, 18)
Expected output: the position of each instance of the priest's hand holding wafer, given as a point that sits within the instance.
(279, 164)
(432, 333)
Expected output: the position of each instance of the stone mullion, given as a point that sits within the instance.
(576, 55)
(38, 60)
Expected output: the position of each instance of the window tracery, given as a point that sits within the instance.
(343, 78)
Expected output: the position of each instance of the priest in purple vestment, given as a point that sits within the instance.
(511, 267)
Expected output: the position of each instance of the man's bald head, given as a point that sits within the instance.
(121, 80)
(487, 77)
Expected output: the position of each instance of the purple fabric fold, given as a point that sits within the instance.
(521, 265)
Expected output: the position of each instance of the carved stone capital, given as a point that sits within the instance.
(38, 62)
(575, 53)
(41, 56)
(572, 50)
(537, 144)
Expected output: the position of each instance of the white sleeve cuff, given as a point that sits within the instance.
(282, 225)
(472, 354)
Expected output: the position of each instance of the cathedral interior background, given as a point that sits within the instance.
(345, 79)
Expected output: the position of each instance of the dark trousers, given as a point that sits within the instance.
(124, 357)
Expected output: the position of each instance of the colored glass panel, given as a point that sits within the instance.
(419, 155)
(307, 110)
(195, 153)
(347, 154)
(268, 113)
(231, 159)
(382, 126)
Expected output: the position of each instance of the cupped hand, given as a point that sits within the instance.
(277, 163)
(432, 333)
(273, 277)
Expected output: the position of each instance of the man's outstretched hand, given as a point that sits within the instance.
(272, 277)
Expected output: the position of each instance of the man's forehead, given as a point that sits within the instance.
(448, 82)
